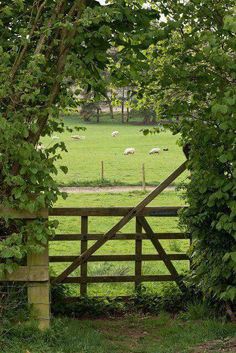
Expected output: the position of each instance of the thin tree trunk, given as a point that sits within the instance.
(111, 108)
(123, 106)
(98, 115)
(128, 114)
(127, 109)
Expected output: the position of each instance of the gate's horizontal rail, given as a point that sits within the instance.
(114, 279)
(124, 236)
(98, 258)
(170, 211)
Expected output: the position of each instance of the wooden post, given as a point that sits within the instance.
(143, 177)
(138, 255)
(84, 247)
(38, 292)
(102, 170)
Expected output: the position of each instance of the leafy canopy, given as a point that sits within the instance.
(46, 46)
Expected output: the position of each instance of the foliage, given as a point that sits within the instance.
(170, 300)
(192, 80)
(47, 47)
(14, 307)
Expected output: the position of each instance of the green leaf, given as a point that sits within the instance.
(64, 169)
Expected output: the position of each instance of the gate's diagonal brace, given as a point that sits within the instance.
(120, 224)
(144, 223)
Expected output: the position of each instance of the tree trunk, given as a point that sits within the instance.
(111, 109)
(127, 109)
(128, 114)
(98, 115)
(123, 106)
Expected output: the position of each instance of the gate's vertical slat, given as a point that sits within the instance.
(138, 254)
(84, 247)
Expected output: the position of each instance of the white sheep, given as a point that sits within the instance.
(55, 137)
(129, 150)
(115, 133)
(155, 150)
(78, 137)
(40, 147)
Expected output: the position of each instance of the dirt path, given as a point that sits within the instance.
(108, 189)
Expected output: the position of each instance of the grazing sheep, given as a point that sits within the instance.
(166, 149)
(78, 137)
(115, 133)
(155, 150)
(55, 137)
(40, 147)
(129, 150)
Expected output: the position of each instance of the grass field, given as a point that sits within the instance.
(84, 162)
(84, 156)
(102, 224)
(134, 334)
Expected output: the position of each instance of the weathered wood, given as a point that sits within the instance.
(21, 214)
(168, 211)
(118, 258)
(38, 297)
(25, 274)
(117, 279)
(120, 224)
(138, 255)
(124, 236)
(84, 247)
(38, 293)
(143, 222)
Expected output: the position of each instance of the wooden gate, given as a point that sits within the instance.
(143, 231)
(36, 273)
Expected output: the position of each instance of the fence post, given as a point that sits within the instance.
(84, 247)
(102, 170)
(138, 255)
(143, 177)
(39, 292)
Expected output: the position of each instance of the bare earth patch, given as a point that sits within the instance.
(217, 346)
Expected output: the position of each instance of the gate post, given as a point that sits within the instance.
(39, 292)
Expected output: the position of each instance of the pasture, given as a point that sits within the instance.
(125, 247)
(84, 156)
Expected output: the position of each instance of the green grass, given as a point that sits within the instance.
(133, 334)
(84, 157)
(102, 224)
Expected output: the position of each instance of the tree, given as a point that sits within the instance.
(45, 47)
(192, 77)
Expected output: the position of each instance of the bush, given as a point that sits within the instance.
(13, 306)
(170, 300)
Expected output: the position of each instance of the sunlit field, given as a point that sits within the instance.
(84, 156)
